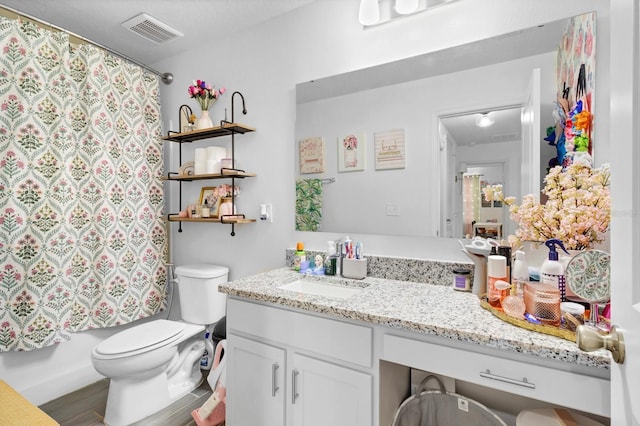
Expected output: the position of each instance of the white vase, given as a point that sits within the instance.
(204, 121)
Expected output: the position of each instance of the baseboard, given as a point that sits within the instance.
(55, 387)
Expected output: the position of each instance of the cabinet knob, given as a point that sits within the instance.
(590, 339)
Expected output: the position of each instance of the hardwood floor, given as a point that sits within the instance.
(86, 407)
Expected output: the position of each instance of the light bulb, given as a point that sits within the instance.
(485, 120)
(369, 12)
(406, 7)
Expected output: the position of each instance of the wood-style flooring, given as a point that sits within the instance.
(86, 407)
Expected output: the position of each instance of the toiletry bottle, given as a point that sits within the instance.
(496, 271)
(207, 356)
(519, 273)
(506, 252)
(206, 212)
(299, 256)
(331, 259)
(552, 271)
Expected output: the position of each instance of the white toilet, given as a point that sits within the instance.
(155, 363)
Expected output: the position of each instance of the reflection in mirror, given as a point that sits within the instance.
(410, 97)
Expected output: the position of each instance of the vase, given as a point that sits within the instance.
(227, 208)
(204, 121)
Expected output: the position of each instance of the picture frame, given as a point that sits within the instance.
(389, 149)
(210, 193)
(351, 152)
(311, 155)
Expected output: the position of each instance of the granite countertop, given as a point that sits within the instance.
(417, 307)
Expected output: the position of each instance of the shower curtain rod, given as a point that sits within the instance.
(166, 77)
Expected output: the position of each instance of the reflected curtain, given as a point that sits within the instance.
(82, 240)
(470, 202)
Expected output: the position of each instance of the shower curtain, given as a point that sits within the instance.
(82, 236)
(470, 202)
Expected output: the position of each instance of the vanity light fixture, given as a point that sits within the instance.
(376, 12)
(407, 7)
(485, 120)
(369, 13)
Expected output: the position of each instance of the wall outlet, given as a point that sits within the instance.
(393, 209)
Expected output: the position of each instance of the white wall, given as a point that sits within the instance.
(265, 63)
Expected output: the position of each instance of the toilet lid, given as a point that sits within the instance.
(144, 336)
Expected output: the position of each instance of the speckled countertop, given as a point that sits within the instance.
(417, 307)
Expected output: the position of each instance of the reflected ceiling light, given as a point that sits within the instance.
(485, 120)
(369, 13)
(406, 7)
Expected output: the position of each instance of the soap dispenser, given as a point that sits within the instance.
(552, 271)
(330, 259)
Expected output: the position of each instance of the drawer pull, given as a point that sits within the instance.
(274, 378)
(524, 382)
(294, 386)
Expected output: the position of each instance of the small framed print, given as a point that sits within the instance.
(210, 193)
(351, 153)
(311, 155)
(389, 148)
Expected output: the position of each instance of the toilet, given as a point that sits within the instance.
(152, 364)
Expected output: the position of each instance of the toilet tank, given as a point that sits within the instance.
(200, 301)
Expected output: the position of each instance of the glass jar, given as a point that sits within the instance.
(462, 279)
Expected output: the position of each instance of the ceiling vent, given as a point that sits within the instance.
(505, 137)
(151, 29)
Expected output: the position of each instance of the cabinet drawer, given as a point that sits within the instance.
(565, 388)
(323, 336)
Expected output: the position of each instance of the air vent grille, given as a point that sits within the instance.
(151, 29)
(506, 137)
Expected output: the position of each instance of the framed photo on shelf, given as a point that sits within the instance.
(210, 193)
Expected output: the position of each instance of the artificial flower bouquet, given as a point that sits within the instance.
(205, 94)
(577, 210)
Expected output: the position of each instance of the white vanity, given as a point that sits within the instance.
(308, 359)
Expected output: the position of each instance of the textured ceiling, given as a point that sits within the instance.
(201, 21)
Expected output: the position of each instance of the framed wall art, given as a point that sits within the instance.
(311, 155)
(389, 149)
(351, 152)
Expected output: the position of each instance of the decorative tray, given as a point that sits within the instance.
(540, 328)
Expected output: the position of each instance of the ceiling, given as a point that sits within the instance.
(198, 20)
(507, 127)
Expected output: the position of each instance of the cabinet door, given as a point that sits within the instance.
(326, 394)
(255, 383)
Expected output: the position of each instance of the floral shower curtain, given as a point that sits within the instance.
(82, 236)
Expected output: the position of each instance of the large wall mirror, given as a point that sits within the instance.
(414, 122)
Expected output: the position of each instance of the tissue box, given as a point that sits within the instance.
(354, 268)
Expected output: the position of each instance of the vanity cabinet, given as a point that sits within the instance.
(292, 368)
(225, 129)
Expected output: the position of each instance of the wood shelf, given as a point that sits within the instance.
(213, 132)
(225, 220)
(226, 174)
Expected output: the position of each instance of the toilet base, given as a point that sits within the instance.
(131, 400)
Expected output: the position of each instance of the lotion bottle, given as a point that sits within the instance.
(496, 272)
(552, 271)
(519, 273)
(299, 256)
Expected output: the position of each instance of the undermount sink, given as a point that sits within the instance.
(321, 288)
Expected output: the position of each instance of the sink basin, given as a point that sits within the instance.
(320, 288)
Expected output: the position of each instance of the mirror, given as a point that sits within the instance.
(408, 107)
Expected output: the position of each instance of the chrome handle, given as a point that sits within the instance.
(590, 339)
(294, 386)
(274, 378)
(524, 382)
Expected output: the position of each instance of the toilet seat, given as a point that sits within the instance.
(141, 338)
